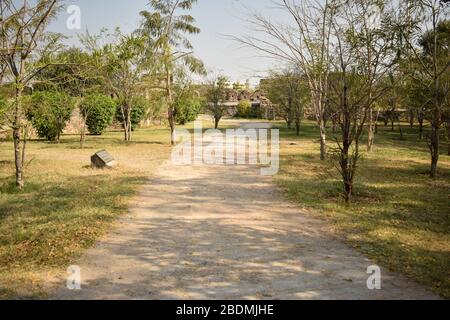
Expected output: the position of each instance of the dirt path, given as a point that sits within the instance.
(225, 232)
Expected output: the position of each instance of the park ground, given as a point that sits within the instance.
(399, 217)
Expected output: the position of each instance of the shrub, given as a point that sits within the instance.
(99, 110)
(138, 112)
(187, 110)
(49, 112)
(244, 109)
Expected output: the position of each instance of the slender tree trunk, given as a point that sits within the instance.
(216, 122)
(83, 134)
(298, 126)
(411, 119)
(421, 120)
(323, 140)
(171, 111)
(130, 126)
(434, 148)
(18, 153)
(371, 132)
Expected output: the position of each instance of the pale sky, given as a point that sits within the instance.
(216, 18)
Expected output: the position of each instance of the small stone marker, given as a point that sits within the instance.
(102, 159)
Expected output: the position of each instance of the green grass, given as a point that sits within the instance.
(66, 206)
(399, 216)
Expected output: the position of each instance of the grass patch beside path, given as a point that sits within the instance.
(400, 217)
(66, 206)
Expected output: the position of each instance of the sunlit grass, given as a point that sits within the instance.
(399, 216)
(66, 206)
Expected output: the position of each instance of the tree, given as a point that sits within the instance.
(215, 98)
(22, 33)
(166, 37)
(290, 92)
(433, 63)
(139, 108)
(244, 108)
(304, 41)
(76, 73)
(49, 112)
(98, 110)
(188, 102)
(125, 67)
(354, 90)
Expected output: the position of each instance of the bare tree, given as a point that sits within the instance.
(433, 63)
(353, 88)
(25, 49)
(305, 42)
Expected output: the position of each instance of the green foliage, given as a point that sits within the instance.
(3, 109)
(99, 111)
(74, 73)
(49, 112)
(187, 110)
(139, 110)
(244, 109)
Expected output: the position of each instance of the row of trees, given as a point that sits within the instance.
(354, 58)
(112, 72)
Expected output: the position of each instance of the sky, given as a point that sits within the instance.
(216, 19)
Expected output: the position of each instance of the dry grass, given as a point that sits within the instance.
(66, 205)
(399, 217)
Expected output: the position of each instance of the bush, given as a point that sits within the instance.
(187, 110)
(138, 113)
(100, 110)
(49, 112)
(244, 109)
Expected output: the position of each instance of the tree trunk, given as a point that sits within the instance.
(323, 140)
(411, 119)
(83, 134)
(421, 120)
(216, 122)
(297, 127)
(371, 132)
(434, 149)
(18, 153)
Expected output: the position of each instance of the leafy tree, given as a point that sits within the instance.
(215, 97)
(124, 66)
(99, 111)
(288, 91)
(27, 50)
(49, 112)
(74, 73)
(244, 108)
(166, 33)
(139, 108)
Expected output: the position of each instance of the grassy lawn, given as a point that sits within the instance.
(399, 217)
(66, 205)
